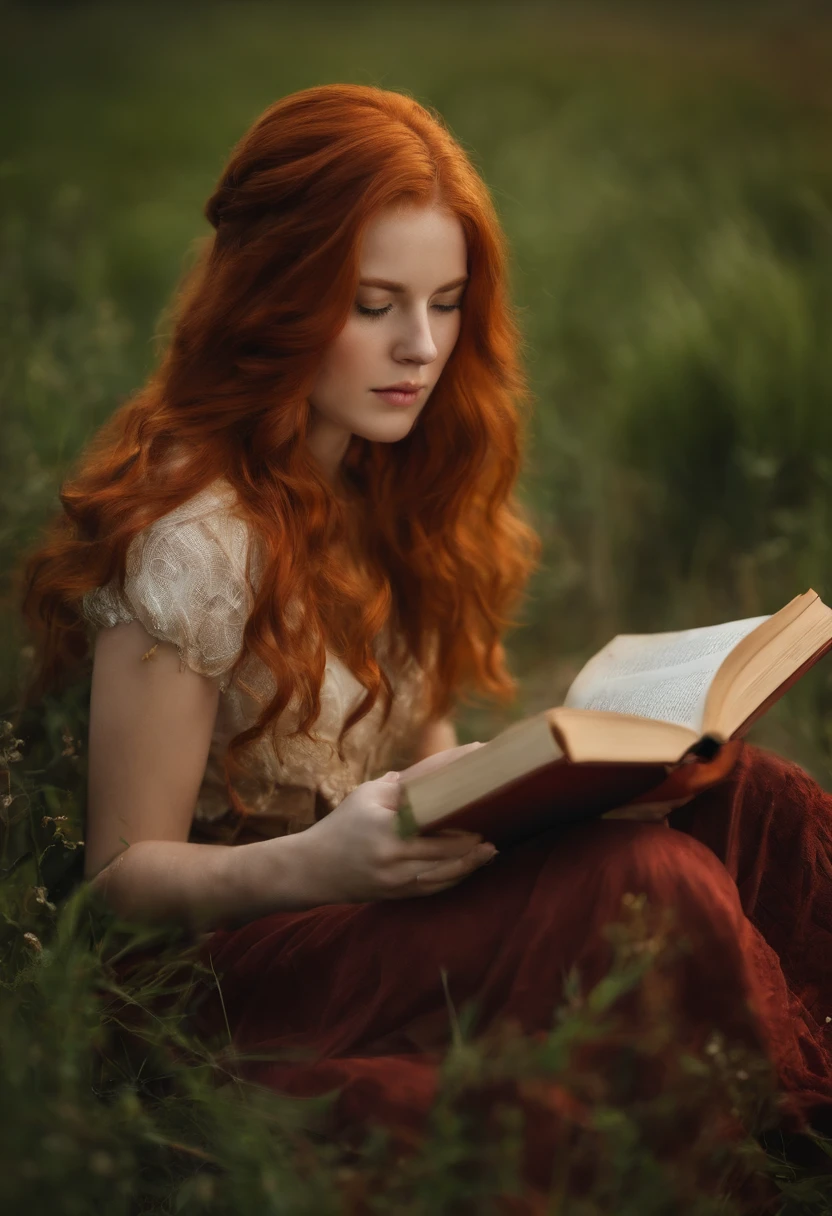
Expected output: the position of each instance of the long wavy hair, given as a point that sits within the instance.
(446, 548)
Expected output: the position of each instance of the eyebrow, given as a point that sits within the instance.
(388, 286)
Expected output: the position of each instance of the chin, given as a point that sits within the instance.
(387, 430)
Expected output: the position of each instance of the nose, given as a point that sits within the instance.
(415, 344)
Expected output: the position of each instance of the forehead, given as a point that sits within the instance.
(410, 244)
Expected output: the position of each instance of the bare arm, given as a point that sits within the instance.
(151, 721)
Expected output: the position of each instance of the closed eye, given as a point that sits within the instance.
(380, 312)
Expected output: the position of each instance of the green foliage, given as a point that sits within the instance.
(669, 210)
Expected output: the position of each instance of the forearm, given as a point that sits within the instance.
(205, 886)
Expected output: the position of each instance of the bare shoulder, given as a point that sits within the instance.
(151, 722)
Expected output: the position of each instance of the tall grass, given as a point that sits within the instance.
(668, 200)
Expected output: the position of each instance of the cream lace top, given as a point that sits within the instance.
(185, 581)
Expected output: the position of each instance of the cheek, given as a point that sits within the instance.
(343, 368)
(448, 339)
(350, 354)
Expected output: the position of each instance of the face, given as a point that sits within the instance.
(402, 328)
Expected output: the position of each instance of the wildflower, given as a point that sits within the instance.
(47, 819)
(9, 746)
(40, 898)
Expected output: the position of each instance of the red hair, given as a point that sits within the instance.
(446, 547)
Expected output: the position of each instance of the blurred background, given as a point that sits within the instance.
(664, 176)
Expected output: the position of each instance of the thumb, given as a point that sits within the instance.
(389, 790)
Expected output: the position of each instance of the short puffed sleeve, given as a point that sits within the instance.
(185, 580)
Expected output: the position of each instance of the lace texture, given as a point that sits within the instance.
(185, 581)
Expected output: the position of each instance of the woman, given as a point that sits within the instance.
(289, 554)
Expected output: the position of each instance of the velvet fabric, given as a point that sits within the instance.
(356, 989)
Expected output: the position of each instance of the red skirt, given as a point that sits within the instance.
(357, 989)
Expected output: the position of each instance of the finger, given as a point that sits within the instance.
(446, 843)
(426, 849)
(446, 871)
(388, 791)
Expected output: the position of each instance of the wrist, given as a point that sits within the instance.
(275, 875)
(304, 883)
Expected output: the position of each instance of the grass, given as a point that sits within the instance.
(667, 194)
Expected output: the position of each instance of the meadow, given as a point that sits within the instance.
(666, 189)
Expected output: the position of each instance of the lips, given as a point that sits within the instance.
(397, 396)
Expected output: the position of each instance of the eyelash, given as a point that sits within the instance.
(380, 312)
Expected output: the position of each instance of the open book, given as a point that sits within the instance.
(650, 719)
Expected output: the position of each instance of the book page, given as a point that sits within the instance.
(665, 676)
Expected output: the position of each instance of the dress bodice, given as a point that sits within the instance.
(186, 583)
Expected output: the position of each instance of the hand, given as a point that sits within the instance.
(355, 855)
